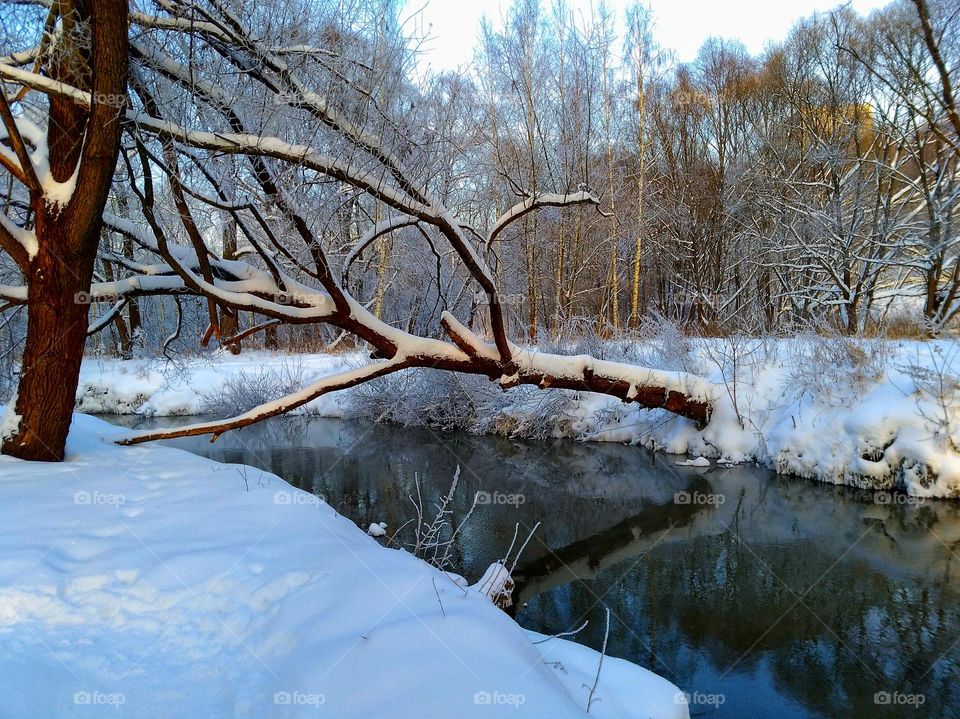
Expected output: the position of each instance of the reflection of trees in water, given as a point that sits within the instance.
(862, 633)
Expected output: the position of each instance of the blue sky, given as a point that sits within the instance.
(681, 26)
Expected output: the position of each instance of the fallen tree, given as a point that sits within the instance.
(252, 150)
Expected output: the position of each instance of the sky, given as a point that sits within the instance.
(681, 26)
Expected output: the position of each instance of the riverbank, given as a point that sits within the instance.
(874, 414)
(150, 582)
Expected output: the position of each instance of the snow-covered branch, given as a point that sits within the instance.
(537, 202)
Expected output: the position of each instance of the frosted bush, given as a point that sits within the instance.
(937, 391)
(661, 344)
(836, 367)
(530, 412)
(245, 390)
(470, 403)
(423, 397)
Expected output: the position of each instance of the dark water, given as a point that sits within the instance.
(762, 596)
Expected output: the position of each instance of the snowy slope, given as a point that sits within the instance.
(147, 582)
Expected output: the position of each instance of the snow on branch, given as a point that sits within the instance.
(370, 165)
(535, 202)
(378, 230)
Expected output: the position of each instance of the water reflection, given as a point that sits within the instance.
(789, 598)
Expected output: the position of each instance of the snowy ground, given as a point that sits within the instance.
(872, 414)
(148, 582)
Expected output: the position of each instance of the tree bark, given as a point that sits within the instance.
(86, 141)
(56, 334)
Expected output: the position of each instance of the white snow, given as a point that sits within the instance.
(698, 462)
(621, 690)
(9, 419)
(27, 238)
(377, 529)
(159, 388)
(149, 582)
(496, 584)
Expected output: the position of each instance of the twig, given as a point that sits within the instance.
(603, 652)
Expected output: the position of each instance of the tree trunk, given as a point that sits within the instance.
(270, 339)
(133, 309)
(86, 141)
(56, 333)
(124, 347)
(230, 319)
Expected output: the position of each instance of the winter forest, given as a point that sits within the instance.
(577, 377)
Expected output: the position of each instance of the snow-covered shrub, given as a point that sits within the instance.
(737, 358)
(834, 367)
(661, 344)
(937, 391)
(531, 413)
(434, 398)
(246, 390)
(433, 539)
(452, 401)
(657, 342)
(432, 536)
(903, 324)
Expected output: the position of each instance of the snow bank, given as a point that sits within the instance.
(149, 582)
(881, 415)
(576, 667)
(155, 387)
(878, 415)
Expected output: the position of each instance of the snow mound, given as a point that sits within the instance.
(156, 387)
(698, 462)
